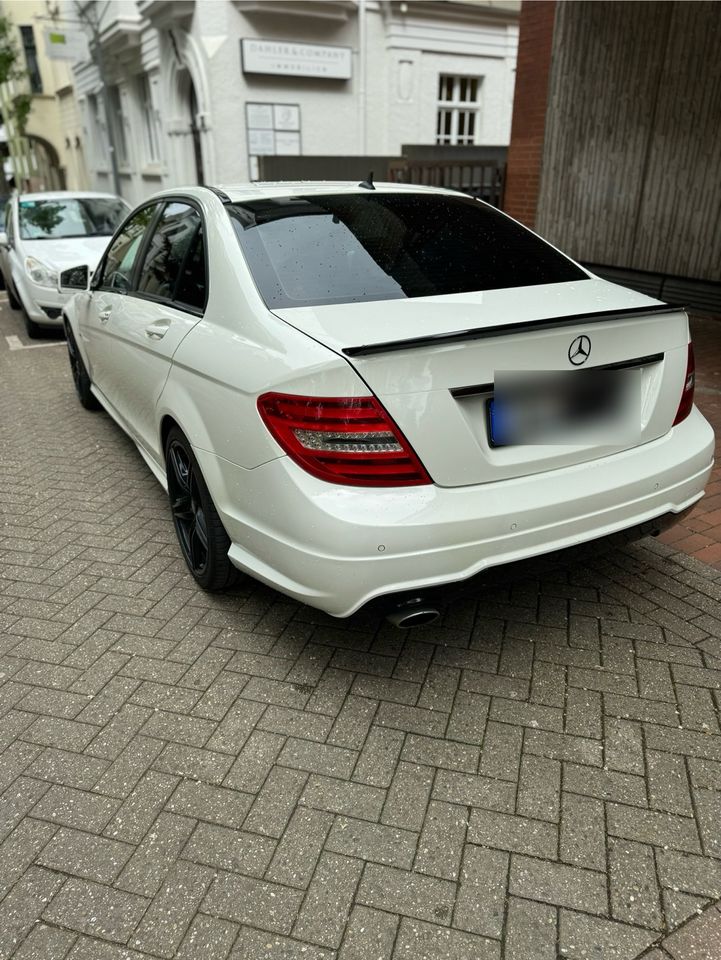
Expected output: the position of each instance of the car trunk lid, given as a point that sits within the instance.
(433, 361)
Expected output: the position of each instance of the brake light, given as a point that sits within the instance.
(684, 407)
(349, 440)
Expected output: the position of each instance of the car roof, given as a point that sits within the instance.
(261, 190)
(67, 195)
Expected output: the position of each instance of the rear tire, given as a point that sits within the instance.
(201, 535)
(81, 378)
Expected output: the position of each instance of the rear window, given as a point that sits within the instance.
(308, 251)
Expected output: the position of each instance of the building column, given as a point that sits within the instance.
(525, 153)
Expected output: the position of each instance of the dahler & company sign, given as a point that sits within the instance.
(288, 58)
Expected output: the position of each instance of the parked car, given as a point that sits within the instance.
(355, 393)
(45, 233)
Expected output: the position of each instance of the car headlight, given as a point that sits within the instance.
(41, 273)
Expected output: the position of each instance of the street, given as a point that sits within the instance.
(196, 777)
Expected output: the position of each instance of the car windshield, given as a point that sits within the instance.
(344, 248)
(72, 217)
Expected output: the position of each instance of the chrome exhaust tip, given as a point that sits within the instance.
(413, 615)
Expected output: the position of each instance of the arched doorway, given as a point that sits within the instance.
(187, 98)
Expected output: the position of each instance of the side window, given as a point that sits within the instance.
(123, 251)
(169, 250)
(192, 284)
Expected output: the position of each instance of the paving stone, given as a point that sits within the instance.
(96, 910)
(138, 812)
(407, 893)
(253, 945)
(76, 808)
(697, 941)
(440, 753)
(275, 803)
(370, 935)
(206, 802)
(581, 935)
(255, 761)
(352, 724)
(269, 906)
(513, 833)
(539, 788)
(635, 897)
(326, 908)
(407, 800)
(531, 930)
(85, 855)
(474, 791)
(340, 796)
(155, 855)
(228, 849)
(296, 855)
(321, 758)
(169, 915)
(379, 757)
(373, 841)
(24, 905)
(45, 943)
(583, 834)
(654, 827)
(208, 937)
(480, 905)
(428, 941)
(556, 883)
(501, 751)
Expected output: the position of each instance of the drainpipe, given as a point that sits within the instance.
(362, 72)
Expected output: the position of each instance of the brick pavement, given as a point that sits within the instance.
(197, 777)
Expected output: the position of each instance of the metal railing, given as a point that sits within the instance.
(484, 180)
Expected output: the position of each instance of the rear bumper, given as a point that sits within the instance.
(337, 548)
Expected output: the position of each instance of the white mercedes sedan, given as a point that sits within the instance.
(360, 393)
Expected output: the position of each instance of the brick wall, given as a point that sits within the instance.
(529, 109)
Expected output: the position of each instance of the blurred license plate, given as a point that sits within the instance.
(601, 407)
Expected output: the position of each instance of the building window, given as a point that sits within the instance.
(27, 35)
(117, 125)
(151, 130)
(98, 133)
(458, 109)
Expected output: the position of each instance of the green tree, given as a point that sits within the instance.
(19, 106)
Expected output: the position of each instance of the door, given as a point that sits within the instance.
(5, 264)
(145, 328)
(109, 291)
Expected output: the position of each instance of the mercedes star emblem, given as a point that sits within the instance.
(580, 350)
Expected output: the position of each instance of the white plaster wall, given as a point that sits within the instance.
(397, 92)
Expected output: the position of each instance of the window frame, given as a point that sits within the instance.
(132, 291)
(455, 106)
(30, 52)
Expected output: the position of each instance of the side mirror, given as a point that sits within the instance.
(4, 242)
(73, 279)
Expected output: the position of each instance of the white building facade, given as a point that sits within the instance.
(199, 89)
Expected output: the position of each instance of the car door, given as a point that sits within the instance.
(166, 302)
(109, 291)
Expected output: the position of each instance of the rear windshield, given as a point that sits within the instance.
(307, 251)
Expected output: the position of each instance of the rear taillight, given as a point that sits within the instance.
(349, 440)
(684, 407)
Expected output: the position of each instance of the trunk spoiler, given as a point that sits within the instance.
(483, 333)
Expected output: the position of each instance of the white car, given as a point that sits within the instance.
(44, 234)
(355, 393)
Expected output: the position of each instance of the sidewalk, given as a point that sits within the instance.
(700, 533)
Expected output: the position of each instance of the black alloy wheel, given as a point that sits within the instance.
(80, 374)
(201, 535)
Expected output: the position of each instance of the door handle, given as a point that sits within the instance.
(104, 316)
(156, 331)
